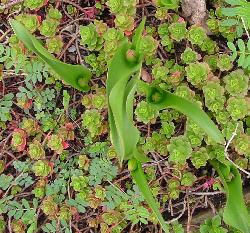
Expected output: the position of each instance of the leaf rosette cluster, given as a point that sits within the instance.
(145, 113)
(178, 30)
(238, 107)
(196, 34)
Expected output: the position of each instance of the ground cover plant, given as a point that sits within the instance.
(62, 148)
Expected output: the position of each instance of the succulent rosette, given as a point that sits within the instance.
(99, 100)
(42, 168)
(87, 100)
(242, 145)
(187, 178)
(35, 4)
(197, 73)
(48, 27)
(199, 158)
(216, 105)
(124, 22)
(92, 121)
(93, 201)
(222, 116)
(148, 45)
(100, 192)
(185, 92)
(54, 14)
(49, 207)
(211, 60)
(56, 143)
(145, 113)
(31, 22)
(212, 90)
(224, 62)
(19, 139)
(36, 150)
(179, 149)
(209, 45)
(213, 24)
(66, 131)
(242, 162)
(29, 125)
(54, 44)
(178, 31)
(116, 6)
(196, 34)
(83, 162)
(17, 226)
(238, 107)
(189, 56)
(111, 217)
(66, 211)
(236, 83)
(230, 127)
(160, 72)
(167, 129)
(79, 183)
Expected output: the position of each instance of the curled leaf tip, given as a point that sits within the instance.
(82, 82)
(156, 97)
(132, 164)
(131, 55)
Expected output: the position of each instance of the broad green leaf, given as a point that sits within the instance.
(159, 99)
(72, 74)
(231, 46)
(170, 4)
(229, 11)
(229, 22)
(232, 2)
(241, 59)
(140, 179)
(235, 213)
(241, 45)
(248, 45)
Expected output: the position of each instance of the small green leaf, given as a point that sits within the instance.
(241, 59)
(232, 58)
(241, 45)
(229, 11)
(246, 62)
(229, 22)
(231, 46)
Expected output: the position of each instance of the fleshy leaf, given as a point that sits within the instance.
(159, 99)
(141, 181)
(75, 75)
(235, 213)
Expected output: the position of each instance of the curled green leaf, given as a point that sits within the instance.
(75, 75)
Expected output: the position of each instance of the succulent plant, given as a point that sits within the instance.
(242, 162)
(211, 60)
(54, 14)
(42, 168)
(83, 162)
(54, 44)
(173, 193)
(213, 24)
(19, 139)
(34, 4)
(79, 183)
(29, 125)
(213, 225)
(100, 192)
(91, 37)
(120, 6)
(195, 140)
(209, 46)
(99, 100)
(17, 226)
(161, 14)
(189, 56)
(101, 27)
(238, 107)
(49, 207)
(212, 90)
(48, 27)
(179, 149)
(148, 146)
(199, 157)
(236, 83)
(145, 113)
(222, 116)
(66, 211)
(92, 121)
(87, 100)
(196, 34)
(224, 62)
(163, 30)
(39, 191)
(230, 127)
(242, 145)
(160, 72)
(187, 178)
(148, 45)
(36, 150)
(191, 126)
(216, 104)
(185, 92)
(168, 43)
(124, 23)
(93, 201)
(31, 22)
(197, 73)
(165, 116)
(167, 129)
(178, 31)
(111, 152)
(111, 217)
(162, 148)
(2, 166)
(216, 152)
(66, 131)
(56, 143)
(173, 183)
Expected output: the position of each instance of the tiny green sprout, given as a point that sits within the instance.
(132, 164)
(130, 55)
(82, 82)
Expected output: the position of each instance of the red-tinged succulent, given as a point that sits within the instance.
(42, 168)
(24, 104)
(93, 222)
(19, 139)
(36, 150)
(18, 226)
(35, 4)
(49, 207)
(93, 201)
(66, 211)
(66, 132)
(56, 143)
(100, 192)
(29, 125)
(111, 217)
(238, 107)
(242, 144)
(54, 44)
(124, 22)
(83, 162)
